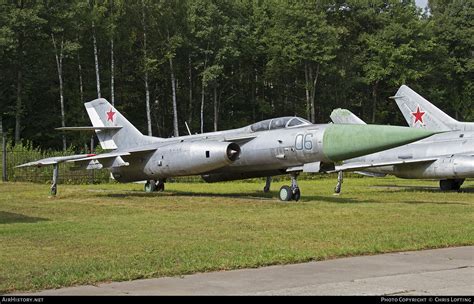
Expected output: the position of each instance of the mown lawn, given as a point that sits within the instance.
(111, 232)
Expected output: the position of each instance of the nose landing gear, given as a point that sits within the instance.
(288, 193)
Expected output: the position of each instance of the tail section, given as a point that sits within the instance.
(112, 128)
(343, 116)
(420, 113)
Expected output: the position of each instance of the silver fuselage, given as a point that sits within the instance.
(270, 152)
(454, 152)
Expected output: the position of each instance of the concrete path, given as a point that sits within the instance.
(448, 271)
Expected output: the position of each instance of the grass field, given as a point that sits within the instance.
(111, 232)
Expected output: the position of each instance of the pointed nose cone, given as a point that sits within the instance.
(344, 141)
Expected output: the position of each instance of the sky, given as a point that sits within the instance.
(421, 3)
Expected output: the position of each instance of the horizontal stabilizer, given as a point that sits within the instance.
(89, 128)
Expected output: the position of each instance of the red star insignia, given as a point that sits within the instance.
(110, 115)
(418, 115)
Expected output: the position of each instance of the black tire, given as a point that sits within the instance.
(54, 190)
(286, 194)
(160, 187)
(458, 183)
(266, 189)
(296, 194)
(150, 186)
(450, 184)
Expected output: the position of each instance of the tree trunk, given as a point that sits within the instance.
(313, 93)
(216, 109)
(307, 85)
(96, 60)
(112, 65)
(4, 151)
(190, 78)
(112, 92)
(59, 65)
(19, 78)
(374, 100)
(19, 106)
(202, 92)
(202, 107)
(175, 107)
(254, 94)
(147, 102)
(147, 90)
(81, 86)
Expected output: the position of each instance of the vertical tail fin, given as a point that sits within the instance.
(344, 116)
(103, 114)
(420, 113)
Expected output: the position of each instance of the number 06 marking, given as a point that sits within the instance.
(304, 141)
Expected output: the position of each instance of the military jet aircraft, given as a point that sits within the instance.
(285, 145)
(448, 157)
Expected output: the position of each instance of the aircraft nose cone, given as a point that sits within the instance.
(345, 141)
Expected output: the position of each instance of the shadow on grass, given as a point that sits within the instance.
(337, 199)
(407, 188)
(256, 195)
(243, 195)
(433, 203)
(10, 218)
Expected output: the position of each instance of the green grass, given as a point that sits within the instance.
(111, 232)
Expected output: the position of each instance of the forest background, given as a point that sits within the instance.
(221, 64)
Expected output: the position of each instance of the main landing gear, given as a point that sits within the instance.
(288, 193)
(54, 184)
(451, 184)
(267, 184)
(153, 185)
(340, 180)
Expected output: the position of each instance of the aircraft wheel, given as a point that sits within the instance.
(54, 190)
(150, 186)
(285, 193)
(160, 187)
(296, 194)
(337, 189)
(450, 184)
(266, 189)
(458, 183)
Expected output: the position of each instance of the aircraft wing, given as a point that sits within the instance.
(54, 160)
(107, 160)
(90, 161)
(353, 166)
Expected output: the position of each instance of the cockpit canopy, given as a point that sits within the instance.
(279, 123)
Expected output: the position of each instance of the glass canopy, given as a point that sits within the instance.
(279, 123)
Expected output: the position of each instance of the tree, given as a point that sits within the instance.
(389, 52)
(62, 16)
(305, 40)
(22, 20)
(453, 29)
